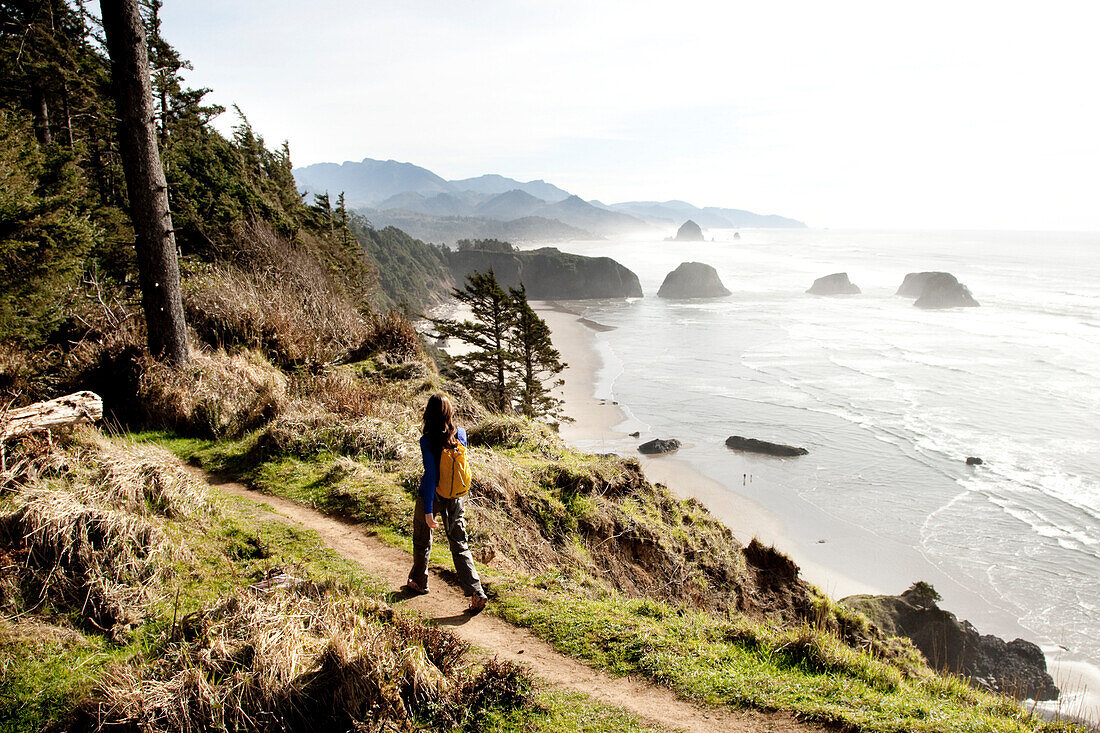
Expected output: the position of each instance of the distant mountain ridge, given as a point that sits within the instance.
(492, 183)
(431, 204)
(369, 181)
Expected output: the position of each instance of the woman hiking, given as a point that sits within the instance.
(439, 433)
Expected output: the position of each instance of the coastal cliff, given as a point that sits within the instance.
(1016, 668)
(550, 274)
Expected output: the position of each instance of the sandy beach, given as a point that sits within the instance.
(601, 425)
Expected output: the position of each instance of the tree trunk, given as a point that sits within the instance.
(41, 112)
(158, 268)
(68, 115)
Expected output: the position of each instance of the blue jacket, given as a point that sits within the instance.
(431, 470)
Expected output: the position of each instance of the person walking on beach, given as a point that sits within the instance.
(439, 433)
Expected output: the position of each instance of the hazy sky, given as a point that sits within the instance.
(876, 114)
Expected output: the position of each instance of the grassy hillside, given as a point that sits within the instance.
(602, 563)
(134, 597)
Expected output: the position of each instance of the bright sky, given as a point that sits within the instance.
(959, 114)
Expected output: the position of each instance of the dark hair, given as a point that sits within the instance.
(439, 427)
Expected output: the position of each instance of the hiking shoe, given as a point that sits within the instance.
(415, 588)
(477, 605)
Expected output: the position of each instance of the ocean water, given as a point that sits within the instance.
(890, 400)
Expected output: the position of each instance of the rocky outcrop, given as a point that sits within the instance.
(835, 284)
(689, 231)
(1017, 668)
(936, 290)
(692, 280)
(658, 446)
(752, 445)
(549, 274)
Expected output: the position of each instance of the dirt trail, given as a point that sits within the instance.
(445, 605)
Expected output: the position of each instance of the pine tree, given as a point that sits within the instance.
(485, 370)
(536, 362)
(342, 220)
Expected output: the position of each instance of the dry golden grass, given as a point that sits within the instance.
(287, 661)
(303, 429)
(292, 319)
(392, 334)
(339, 391)
(80, 554)
(84, 527)
(213, 395)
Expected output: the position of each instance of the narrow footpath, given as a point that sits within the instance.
(490, 636)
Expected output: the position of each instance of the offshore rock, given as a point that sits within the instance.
(692, 280)
(835, 284)
(752, 445)
(1016, 668)
(689, 231)
(936, 290)
(659, 445)
(974, 461)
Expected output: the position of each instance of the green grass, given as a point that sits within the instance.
(48, 667)
(377, 499)
(742, 663)
(561, 711)
(709, 657)
(45, 670)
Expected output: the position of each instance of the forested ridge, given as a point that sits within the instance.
(66, 240)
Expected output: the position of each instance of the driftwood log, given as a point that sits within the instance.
(63, 412)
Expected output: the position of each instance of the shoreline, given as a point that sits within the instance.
(601, 425)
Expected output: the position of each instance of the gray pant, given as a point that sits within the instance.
(450, 514)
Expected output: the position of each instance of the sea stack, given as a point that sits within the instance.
(835, 284)
(936, 290)
(689, 232)
(692, 280)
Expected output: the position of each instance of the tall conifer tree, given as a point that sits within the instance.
(536, 362)
(486, 368)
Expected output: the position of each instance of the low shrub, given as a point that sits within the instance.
(110, 365)
(213, 395)
(286, 661)
(389, 333)
(84, 525)
(500, 686)
(513, 431)
(304, 431)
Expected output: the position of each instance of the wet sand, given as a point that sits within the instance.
(601, 426)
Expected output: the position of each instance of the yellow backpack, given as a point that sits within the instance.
(454, 472)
